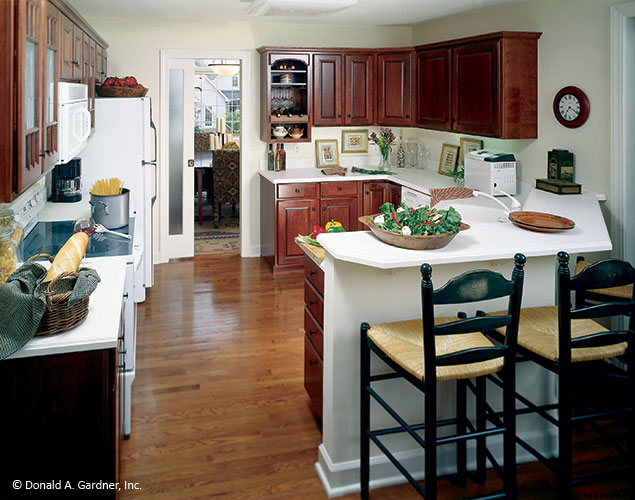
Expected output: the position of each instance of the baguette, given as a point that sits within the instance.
(69, 256)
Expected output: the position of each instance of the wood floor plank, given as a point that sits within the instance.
(219, 408)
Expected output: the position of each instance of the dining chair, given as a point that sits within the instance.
(429, 351)
(226, 171)
(569, 341)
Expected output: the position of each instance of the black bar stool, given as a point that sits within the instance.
(432, 350)
(567, 341)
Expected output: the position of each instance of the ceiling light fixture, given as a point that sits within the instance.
(297, 7)
(225, 68)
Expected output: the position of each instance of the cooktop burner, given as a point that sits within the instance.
(48, 237)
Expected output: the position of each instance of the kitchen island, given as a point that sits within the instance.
(367, 280)
(61, 402)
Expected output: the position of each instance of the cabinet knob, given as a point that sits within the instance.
(311, 302)
(313, 209)
(339, 188)
(348, 116)
(339, 116)
(297, 190)
(312, 362)
(311, 273)
(407, 116)
(367, 192)
(312, 332)
(324, 209)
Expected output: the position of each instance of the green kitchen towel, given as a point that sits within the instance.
(23, 302)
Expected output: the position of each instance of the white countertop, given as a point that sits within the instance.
(100, 329)
(420, 180)
(486, 240)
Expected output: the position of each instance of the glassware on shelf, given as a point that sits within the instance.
(424, 157)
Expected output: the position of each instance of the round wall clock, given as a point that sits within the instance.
(571, 107)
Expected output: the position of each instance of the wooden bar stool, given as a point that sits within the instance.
(567, 341)
(432, 350)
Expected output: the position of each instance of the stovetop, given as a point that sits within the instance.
(48, 237)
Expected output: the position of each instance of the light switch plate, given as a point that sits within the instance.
(296, 149)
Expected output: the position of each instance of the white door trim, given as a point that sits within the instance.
(618, 143)
(245, 117)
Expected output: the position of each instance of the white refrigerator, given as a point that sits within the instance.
(124, 146)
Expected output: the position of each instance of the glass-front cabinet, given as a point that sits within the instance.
(285, 96)
(51, 77)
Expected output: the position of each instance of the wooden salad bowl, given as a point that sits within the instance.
(430, 242)
(112, 91)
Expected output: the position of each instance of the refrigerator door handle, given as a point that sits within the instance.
(156, 174)
(152, 162)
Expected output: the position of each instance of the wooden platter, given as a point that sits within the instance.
(541, 221)
(431, 242)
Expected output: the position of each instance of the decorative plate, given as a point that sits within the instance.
(541, 221)
(408, 241)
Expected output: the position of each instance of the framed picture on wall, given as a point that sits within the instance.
(447, 161)
(354, 141)
(326, 153)
(468, 145)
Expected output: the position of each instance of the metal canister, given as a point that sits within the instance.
(112, 211)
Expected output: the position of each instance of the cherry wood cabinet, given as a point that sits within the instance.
(313, 334)
(484, 85)
(394, 78)
(327, 90)
(293, 217)
(375, 194)
(339, 201)
(41, 42)
(63, 414)
(359, 89)
(434, 89)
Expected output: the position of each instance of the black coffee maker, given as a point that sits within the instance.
(66, 182)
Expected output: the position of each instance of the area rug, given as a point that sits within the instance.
(216, 237)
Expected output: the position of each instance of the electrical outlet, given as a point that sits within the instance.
(296, 149)
(374, 148)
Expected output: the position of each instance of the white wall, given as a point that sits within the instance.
(135, 45)
(574, 50)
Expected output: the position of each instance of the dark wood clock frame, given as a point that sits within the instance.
(585, 106)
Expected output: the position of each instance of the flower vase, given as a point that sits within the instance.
(384, 164)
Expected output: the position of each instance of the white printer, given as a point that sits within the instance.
(490, 172)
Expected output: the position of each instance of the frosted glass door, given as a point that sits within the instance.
(181, 159)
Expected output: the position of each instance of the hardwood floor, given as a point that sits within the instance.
(219, 408)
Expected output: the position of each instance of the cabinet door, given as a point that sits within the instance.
(29, 88)
(394, 194)
(475, 81)
(293, 217)
(49, 91)
(434, 89)
(327, 90)
(66, 42)
(91, 80)
(359, 77)
(395, 89)
(375, 195)
(78, 47)
(343, 210)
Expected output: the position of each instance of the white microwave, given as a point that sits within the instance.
(73, 119)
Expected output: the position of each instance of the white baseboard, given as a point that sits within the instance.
(251, 251)
(343, 478)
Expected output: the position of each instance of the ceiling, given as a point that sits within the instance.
(366, 12)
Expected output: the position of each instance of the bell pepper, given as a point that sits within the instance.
(331, 224)
(317, 229)
(336, 229)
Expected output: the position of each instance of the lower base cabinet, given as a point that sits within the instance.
(313, 337)
(61, 416)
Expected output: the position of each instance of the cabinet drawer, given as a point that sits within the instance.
(314, 274)
(304, 190)
(313, 376)
(338, 188)
(313, 301)
(313, 331)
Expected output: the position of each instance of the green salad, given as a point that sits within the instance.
(422, 221)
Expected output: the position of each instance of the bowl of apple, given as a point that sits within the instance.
(114, 86)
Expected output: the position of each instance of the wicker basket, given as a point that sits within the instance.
(110, 91)
(58, 317)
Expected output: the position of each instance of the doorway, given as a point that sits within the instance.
(217, 148)
(183, 73)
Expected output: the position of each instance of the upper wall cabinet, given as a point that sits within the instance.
(41, 42)
(485, 85)
(343, 89)
(395, 89)
(285, 95)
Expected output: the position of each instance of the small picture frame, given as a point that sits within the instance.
(354, 141)
(447, 161)
(468, 145)
(327, 153)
